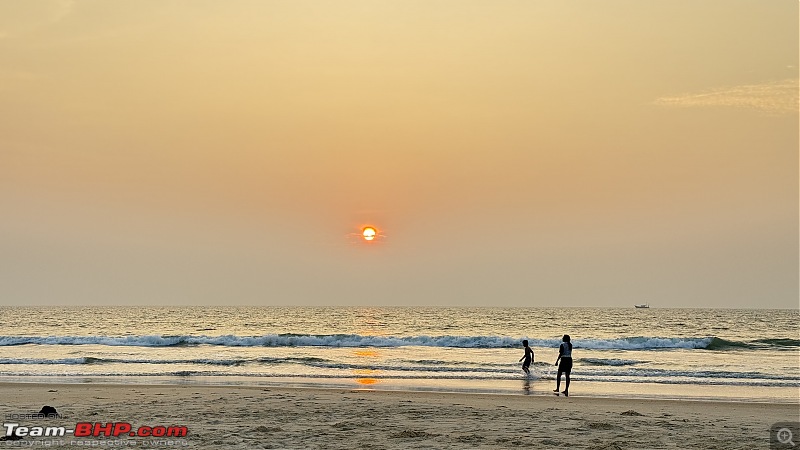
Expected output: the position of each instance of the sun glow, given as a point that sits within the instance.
(369, 233)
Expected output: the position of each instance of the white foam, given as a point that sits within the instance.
(354, 340)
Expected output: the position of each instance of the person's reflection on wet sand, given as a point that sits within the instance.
(526, 386)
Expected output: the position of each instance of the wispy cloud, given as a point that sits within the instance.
(774, 98)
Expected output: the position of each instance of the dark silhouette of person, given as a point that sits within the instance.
(528, 357)
(565, 356)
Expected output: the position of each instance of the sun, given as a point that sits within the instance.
(369, 233)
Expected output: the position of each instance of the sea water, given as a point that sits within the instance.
(751, 355)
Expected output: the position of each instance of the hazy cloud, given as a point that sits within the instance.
(11, 79)
(777, 97)
(17, 18)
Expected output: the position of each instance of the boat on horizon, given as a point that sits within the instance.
(642, 306)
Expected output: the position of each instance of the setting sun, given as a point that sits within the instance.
(369, 233)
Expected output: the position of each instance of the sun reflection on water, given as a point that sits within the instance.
(370, 325)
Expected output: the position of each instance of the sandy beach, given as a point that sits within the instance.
(258, 417)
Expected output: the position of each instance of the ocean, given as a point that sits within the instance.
(723, 354)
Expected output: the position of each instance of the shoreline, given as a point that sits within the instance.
(333, 389)
(529, 388)
(292, 417)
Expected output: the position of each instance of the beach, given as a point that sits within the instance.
(218, 417)
(398, 378)
(314, 224)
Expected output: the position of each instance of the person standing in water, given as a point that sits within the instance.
(528, 357)
(565, 356)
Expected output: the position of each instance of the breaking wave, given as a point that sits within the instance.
(355, 340)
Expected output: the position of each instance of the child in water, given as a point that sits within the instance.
(528, 357)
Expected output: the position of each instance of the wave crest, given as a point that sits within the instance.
(355, 340)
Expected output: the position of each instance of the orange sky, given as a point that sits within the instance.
(512, 153)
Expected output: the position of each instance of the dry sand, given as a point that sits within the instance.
(258, 417)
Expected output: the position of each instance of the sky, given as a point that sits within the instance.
(514, 153)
